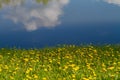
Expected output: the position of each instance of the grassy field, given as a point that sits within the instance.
(68, 62)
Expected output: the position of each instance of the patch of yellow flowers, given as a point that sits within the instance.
(69, 62)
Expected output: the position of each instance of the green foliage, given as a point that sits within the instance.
(45, 2)
(42, 1)
(38, 1)
(68, 62)
(7, 2)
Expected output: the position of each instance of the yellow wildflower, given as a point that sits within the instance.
(104, 70)
(112, 75)
(30, 69)
(72, 65)
(11, 77)
(73, 76)
(110, 68)
(50, 60)
(45, 69)
(6, 67)
(85, 79)
(76, 68)
(29, 77)
(95, 51)
(0, 69)
(35, 76)
(44, 78)
(26, 59)
(16, 68)
(103, 65)
(58, 62)
(65, 67)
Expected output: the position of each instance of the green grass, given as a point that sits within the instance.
(68, 62)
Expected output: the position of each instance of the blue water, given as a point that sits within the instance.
(28, 24)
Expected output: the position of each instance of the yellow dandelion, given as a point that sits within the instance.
(70, 61)
(45, 69)
(112, 75)
(65, 67)
(35, 76)
(110, 68)
(103, 65)
(88, 66)
(44, 78)
(73, 76)
(11, 77)
(16, 68)
(27, 71)
(33, 61)
(6, 67)
(64, 78)
(0, 69)
(60, 68)
(90, 56)
(119, 68)
(72, 65)
(14, 72)
(30, 69)
(114, 63)
(94, 74)
(58, 62)
(95, 51)
(104, 69)
(76, 68)
(118, 62)
(85, 79)
(90, 78)
(26, 59)
(29, 77)
(50, 60)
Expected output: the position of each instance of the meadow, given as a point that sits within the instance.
(67, 62)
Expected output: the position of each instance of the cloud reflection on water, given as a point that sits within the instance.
(116, 2)
(33, 15)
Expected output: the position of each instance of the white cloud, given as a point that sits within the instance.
(33, 15)
(116, 2)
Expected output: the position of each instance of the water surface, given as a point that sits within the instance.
(40, 23)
